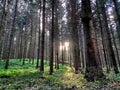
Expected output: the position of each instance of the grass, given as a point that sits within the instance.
(26, 77)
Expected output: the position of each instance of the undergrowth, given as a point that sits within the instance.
(26, 77)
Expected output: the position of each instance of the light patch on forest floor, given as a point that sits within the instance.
(34, 80)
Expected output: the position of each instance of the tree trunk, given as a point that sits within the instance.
(113, 38)
(52, 40)
(118, 17)
(75, 39)
(106, 34)
(2, 20)
(102, 37)
(93, 69)
(11, 34)
(42, 38)
(39, 34)
(56, 35)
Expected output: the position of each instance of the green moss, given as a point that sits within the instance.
(26, 76)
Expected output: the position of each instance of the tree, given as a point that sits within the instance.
(39, 34)
(93, 69)
(42, 38)
(52, 40)
(118, 16)
(2, 20)
(107, 36)
(74, 32)
(56, 34)
(102, 37)
(11, 34)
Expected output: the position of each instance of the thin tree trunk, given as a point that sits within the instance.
(75, 39)
(25, 46)
(113, 37)
(2, 20)
(38, 50)
(11, 34)
(52, 40)
(42, 38)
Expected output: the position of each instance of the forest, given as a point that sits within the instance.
(59, 44)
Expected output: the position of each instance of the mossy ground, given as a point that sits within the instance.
(26, 77)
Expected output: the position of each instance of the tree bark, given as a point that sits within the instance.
(93, 69)
(39, 34)
(102, 37)
(52, 40)
(42, 38)
(117, 17)
(11, 34)
(75, 39)
(108, 37)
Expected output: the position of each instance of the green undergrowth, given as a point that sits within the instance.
(26, 77)
(113, 76)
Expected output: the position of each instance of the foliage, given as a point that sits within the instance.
(112, 76)
(28, 78)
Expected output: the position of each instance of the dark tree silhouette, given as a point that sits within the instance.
(93, 69)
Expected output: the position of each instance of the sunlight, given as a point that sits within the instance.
(64, 4)
(66, 45)
(38, 11)
(110, 10)
(47, 33)
(24, 29)
(64, 18)
(111, 17)
(14, 38)
(93, 1)
(61, 47)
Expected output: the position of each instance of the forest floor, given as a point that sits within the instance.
(26, 77)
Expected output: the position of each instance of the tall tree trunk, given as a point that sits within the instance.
(39, 32)
(21, 45)
(11, 34)
(93, 69)
(31, 40)
(108, 37)
(25, 45)
(113, 38)
(34, 45)
(52, 40)
(2, 20)
(102, 37)
(42, 38)
(95, 33)
(75, 39)
(56, 35)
